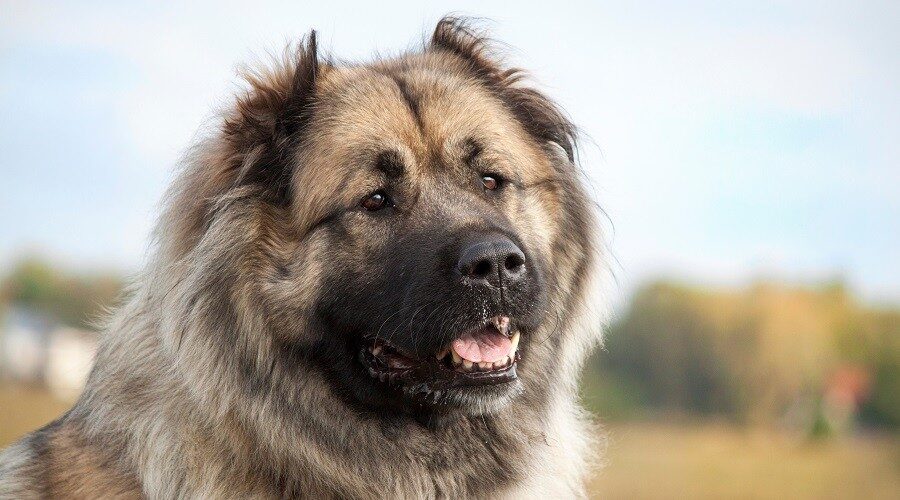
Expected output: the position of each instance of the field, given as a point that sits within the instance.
(25, 408)
(662, 460)
(713, 461)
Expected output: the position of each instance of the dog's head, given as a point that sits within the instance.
(415, 228)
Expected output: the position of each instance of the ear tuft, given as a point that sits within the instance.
(537, 113)
(269, 118)
(458, 36)
(306, 73)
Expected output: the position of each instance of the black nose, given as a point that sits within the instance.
(493, 260)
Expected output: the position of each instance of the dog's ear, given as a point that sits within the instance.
(459, 37)
(537, 113)
(252, 155)
(269, 118)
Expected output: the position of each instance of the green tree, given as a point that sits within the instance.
(73, 299)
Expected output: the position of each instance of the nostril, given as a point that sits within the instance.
(495, 261)
(514, 262)
(482, 268)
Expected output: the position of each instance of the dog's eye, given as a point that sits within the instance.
(376, 201)
(491, 182)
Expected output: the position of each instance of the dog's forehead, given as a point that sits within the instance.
(361, 110)
(421, 111)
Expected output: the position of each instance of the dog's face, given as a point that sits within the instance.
(426, 227)
(437, 225)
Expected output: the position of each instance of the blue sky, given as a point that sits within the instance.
(727, 140)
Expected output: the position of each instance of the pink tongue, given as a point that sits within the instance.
(485, 346)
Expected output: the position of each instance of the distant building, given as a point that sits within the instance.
(70, 355)
(24, 336)
(35, 349)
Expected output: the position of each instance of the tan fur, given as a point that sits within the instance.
(191, 396)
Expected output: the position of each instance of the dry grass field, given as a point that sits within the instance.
(25, 408)
(713, 461)
(661, 460)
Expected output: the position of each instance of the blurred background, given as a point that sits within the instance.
(746, 154)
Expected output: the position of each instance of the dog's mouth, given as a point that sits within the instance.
(485, 355)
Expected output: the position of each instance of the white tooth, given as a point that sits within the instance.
(457, 359)
(515, 344)
(467, 364)
(485, 365)
(442, 354)
(376, 350)
(499, 364)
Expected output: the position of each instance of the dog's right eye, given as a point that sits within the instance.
(376, 201)
(491, 182)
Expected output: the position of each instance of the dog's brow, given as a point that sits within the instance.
(472, 149)
(390, 163)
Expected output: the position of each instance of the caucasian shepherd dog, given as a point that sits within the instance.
(369, 281)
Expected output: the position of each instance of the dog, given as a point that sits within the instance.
(367, 281)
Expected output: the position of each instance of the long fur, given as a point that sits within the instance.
(205, 384)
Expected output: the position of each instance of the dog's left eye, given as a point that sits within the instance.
(491, 182)
(376, 201)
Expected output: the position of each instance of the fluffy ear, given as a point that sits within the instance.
(251, 156)
(459, 37)
(269, 118)
(537, 113)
